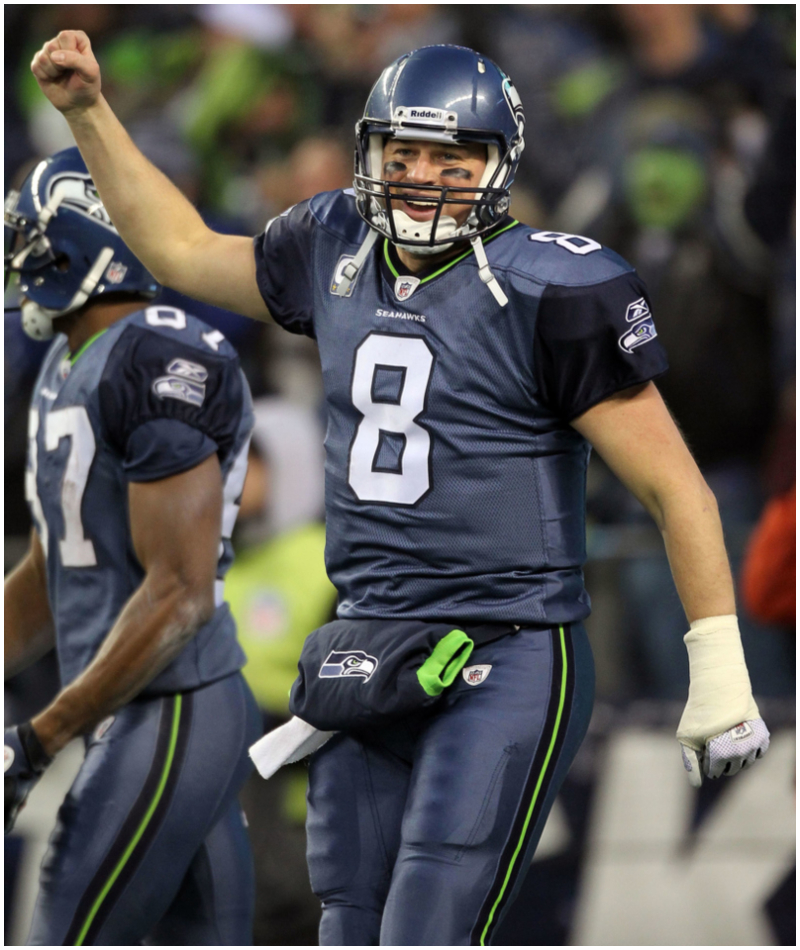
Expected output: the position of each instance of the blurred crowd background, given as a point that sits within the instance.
(666, 131)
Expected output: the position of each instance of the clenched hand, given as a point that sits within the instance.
(67, 72)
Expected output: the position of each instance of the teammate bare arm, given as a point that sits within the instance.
(29, 630)
(155, 220)
(635, 434)
(721, 730)
(175, 527)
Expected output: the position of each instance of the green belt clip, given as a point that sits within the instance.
(445, 663)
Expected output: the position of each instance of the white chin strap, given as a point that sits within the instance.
(485, 273)
(37, 321)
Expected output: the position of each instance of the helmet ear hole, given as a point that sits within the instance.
(62, 263)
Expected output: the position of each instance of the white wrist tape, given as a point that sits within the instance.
(720, 695)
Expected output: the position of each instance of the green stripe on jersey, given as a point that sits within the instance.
(173, 739)
(559, 714)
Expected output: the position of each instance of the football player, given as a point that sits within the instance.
(469, 364)
(138, 434)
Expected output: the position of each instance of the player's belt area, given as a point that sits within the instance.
(532, 800)
(141, 825)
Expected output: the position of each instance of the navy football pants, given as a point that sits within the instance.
(150, 845)
(421, 834)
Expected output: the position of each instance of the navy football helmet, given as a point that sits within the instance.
(439, 94)
(60, 240)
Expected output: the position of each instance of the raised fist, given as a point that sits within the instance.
(67, 72)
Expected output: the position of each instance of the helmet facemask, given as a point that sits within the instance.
(488, 201)
(451, 95)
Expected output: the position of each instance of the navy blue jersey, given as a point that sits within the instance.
(152, 396)
(454, 483)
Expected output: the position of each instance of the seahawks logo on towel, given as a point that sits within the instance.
(351, 663)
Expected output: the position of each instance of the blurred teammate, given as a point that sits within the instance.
(469, 362)
(278, 591)
(138, 433)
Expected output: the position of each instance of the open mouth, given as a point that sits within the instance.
(419, 209)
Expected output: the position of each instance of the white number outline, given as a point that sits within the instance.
(362, 431)
(213, 339)
(31, 473)
(232, 489)
(165, 317)
(562, 239)
(72, 422)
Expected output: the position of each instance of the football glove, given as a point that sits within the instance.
(24, 762)
(721, 730)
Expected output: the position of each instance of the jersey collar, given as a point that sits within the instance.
(73, 357)
(392, 267)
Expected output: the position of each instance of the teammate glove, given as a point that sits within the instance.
(24, 762)
(721, 730)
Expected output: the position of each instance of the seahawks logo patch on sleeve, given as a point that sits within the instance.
(637, 335)
(184, 381)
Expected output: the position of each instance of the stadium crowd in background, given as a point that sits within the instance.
(665, 131)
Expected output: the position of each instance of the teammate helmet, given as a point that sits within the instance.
(439, 94)
(60, 240)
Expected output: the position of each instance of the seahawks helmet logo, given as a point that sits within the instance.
(514, 103)
(351, 663)
(77, 192)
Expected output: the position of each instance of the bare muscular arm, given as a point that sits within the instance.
(638, 439)
(175, 526)
(155, 220)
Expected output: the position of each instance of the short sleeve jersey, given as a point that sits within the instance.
(455, 484)
(152, 396)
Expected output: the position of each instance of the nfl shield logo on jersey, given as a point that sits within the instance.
(404, 287)
(476, 674)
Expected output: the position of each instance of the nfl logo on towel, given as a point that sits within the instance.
(404, 287)
(476, 674)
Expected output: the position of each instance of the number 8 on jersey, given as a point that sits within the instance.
(391, 410)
